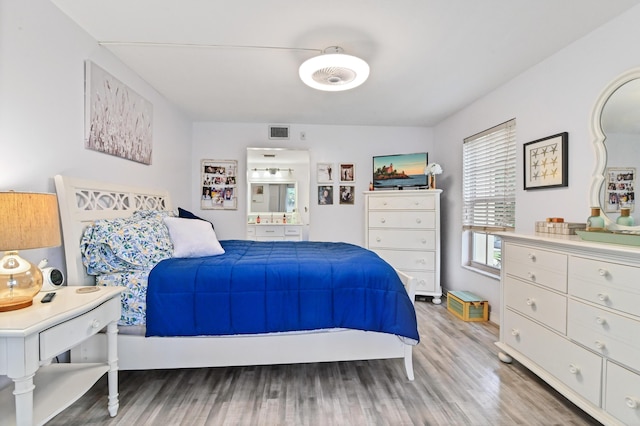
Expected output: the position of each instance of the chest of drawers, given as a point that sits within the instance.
(403, 227)
(571, 314)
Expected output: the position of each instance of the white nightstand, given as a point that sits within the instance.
(31, 337)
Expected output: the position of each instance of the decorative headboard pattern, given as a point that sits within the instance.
(83, 201)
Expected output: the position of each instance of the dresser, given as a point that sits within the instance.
(274, 232)
(571, 314)
(32, 337)
(403, 228)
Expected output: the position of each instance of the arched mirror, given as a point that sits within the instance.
(616, 127)
(278, 185)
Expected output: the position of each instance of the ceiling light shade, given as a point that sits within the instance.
(334, 71)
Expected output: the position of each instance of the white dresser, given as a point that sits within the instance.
(274, 232)
(403, 227)
(571, 314)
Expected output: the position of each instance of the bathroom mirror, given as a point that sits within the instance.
(616, 130)
(278, 183)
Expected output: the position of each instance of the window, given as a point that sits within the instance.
(489, 192)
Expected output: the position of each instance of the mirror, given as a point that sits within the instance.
(616, 126)
(278, 184)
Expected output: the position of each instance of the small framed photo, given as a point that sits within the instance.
(620, 188)
(347, 194)
(325, 173)
(325, 195)
(546, 162)
(347, 173)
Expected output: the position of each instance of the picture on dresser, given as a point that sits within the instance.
(347, 194)
(325, 173)
(546, 162)
(347, 173)
(620, 188)
(325, 195)
(219, 185)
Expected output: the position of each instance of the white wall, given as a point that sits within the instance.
(556, 95)
(42, 56)
(326, 144)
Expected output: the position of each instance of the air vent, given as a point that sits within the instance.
(278, 132)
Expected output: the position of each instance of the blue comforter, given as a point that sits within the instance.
(263, 287)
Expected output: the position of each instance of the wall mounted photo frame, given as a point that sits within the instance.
(219, 185)
(325, 172)
(325, 195)
(347, 194)
(347, 172)
(620, 188)
(127, 133)
(546, 162)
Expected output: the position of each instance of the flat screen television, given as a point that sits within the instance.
(400, 171)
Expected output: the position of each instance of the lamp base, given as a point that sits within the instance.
(15, 303)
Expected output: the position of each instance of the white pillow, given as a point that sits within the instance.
(192, 238)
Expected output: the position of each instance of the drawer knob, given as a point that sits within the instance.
(603, 272)
(418, 220)
(601, 321)
(531, 301)
(602, 297)
(422, 261)
(631, 402)
(531, 276)
(378, 239)
(383, 220)
(423, 241)
(599, 344)
(95, 324)
(532, 257)
(515, 332)
(384, 203)
(574, 369)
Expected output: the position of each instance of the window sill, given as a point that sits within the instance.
(495, 276)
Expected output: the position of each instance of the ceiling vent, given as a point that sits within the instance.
(278, 132)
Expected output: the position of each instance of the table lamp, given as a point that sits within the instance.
(27, 221)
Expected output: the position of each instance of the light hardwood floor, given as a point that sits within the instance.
(458, 381)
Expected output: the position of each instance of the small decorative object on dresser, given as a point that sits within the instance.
(403, 227)
(595, 222)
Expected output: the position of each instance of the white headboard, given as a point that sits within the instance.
(83, 201)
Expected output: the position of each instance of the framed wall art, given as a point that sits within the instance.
(546, 162)
(325, 173)
(325, 195)
(347, 194)
(219, 185)
(347, 173)
(127, 133)
(620, 188)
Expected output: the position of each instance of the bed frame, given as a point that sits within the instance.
(82, 201)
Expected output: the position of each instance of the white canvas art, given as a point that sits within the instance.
(118, 121)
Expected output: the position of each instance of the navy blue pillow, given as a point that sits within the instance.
(185, 214)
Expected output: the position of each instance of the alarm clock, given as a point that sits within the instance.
(52, 278)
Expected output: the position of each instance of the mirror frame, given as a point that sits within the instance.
(599, 137)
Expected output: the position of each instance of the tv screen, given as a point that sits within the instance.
(399, 170)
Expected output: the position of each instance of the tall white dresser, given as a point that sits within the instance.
(403, 228)
(571, 314)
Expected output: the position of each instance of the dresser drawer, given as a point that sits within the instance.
(403, 219)
(424, 202)
(615, 336)
(622, 394)
(409, 260)
(62, 337)
(426, 281)
(290, 230)
(269, 231)
(400, 238)
(575, 366)
(538, 303)
(542, 267)
(608, 284)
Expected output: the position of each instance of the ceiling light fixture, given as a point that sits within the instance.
(334, 71)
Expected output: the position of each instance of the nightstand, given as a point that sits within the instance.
(31, 337)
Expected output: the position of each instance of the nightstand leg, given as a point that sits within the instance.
(112, 359)
(23, 393)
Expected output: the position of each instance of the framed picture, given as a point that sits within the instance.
(325, 195)
(127, 133)
(325, 173)
(620, 188)
(546, 162)
(347, 173)
(218, 184)
(347, 194)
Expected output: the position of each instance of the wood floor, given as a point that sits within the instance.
(458, 381)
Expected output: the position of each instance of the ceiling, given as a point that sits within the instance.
(237, 61)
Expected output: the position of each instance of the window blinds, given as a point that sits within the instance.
(489, 179)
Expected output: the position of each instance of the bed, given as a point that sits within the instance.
(83, 203)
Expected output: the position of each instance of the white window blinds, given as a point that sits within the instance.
(489, 179)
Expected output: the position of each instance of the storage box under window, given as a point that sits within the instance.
(467, 306)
